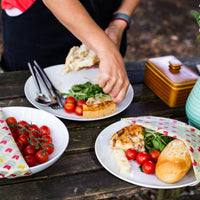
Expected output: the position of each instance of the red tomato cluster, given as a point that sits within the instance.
(145, 160)
(35, 143)
(71, 105)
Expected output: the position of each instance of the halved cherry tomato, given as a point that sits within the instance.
(154, 154)
(142, 157)
(79, 110)
(80, 102)
(45, 130)
(131, 154)
(41, 156)
(69, 107)
(70, 100)
(148, 167)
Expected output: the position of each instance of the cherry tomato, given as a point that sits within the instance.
(148, 167)
(20, 146)
(41, 156)
(131, 154)
(23, 139)
(46, 139)
(80, 102)
(33, 127)
(49, 148)
(70, 100)
(22, 129)
(30, 150)
(11, 120)
(22, 123)
(154, 154)
(30, 160)
(79, 110)
(69, 107)
(142, 157)
(45, 130)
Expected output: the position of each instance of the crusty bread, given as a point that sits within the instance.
(96, 107)
(78, 58)
(128, 137)
(173, 162)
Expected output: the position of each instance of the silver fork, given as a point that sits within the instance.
(54, 103)
(60, 99)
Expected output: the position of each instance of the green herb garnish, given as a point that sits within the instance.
(155, 140)
(86, 90)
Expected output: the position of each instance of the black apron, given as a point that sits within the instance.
(37, 35)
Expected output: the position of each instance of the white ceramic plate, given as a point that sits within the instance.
(64, 83)
(104, 155)
(59, 132)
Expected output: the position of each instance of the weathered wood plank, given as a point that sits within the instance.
(93, 185)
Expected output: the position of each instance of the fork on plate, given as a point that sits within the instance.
(57, 100)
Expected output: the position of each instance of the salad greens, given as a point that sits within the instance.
(155, 140)
(86, 90)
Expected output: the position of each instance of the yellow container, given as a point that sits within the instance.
(169, 79)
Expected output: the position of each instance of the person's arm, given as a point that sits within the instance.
(116, 27)
(112, 73)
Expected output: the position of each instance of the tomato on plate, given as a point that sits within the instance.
(30, 160)
(45, 130)
(131, 154)
(30, 150)
(41, 156)
(23, 139)
(11, 120)
(69, 107)
(46, 139)
(142, 157)
(148, 167)
(70, 100)
(49, 148)
(80, 102)
(154, 154)
(78, 110)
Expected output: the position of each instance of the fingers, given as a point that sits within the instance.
(115, 86)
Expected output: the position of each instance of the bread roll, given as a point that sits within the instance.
(174, 162)
(78, 58)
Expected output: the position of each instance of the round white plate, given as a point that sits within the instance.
(59, 132)
(64, 83)
(104, 155)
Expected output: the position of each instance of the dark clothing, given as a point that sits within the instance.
(38, 35)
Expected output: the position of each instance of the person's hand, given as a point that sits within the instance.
(112, 75)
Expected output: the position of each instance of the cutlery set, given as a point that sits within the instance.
(55, 100)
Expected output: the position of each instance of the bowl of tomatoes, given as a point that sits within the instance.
(40, 136)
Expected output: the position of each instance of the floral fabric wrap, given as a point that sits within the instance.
(176, 129)
(12, 163)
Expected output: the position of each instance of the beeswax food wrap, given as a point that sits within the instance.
(176, 129)
(12, 163)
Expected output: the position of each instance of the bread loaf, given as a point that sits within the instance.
(174, 162)
(78, 58)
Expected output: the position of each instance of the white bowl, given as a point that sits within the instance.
(59, 132)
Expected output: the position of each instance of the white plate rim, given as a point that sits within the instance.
(62, 114)
(108, 132)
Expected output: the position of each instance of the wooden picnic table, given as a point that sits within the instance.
(78, 173)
